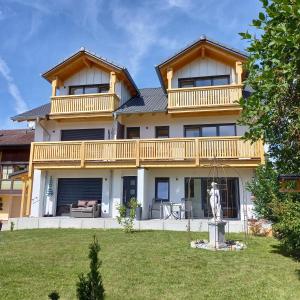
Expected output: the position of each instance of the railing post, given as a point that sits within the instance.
(82, 154)
(137, 162)
(197, 152)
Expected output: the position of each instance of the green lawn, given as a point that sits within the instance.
(143, 265)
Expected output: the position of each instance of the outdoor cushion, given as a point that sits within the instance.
(82, 203)
(83, 209)
(92, 203)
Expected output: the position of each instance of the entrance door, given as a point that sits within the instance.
(70, 190)
(129, 188)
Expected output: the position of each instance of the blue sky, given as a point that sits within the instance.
(35, 35)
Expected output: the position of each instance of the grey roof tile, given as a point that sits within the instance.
(38, 112)
(150, 100)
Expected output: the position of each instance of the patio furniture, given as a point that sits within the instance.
(156, 205)
(85, 209)
(187, 207)
(173, 212)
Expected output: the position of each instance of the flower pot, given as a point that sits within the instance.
(138, 213)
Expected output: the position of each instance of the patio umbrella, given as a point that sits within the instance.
(49, 201)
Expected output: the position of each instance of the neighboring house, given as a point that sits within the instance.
(14, 160)
(101, 138)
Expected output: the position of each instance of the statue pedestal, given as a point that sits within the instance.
(216, 230)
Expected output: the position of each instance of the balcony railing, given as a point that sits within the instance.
(147, 152)
(204, 97)
(86, 103)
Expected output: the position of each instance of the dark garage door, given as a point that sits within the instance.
(70, 190)
(82, 134)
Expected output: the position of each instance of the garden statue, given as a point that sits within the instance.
(215, 201)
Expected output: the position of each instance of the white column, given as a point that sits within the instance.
(106, 194)
(38, 191)
(116, 192)
(142, 199)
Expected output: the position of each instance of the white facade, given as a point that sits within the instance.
(113, 179)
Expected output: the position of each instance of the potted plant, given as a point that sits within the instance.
(138, 211)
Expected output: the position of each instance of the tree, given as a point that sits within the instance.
(272, 111)
(90, 287)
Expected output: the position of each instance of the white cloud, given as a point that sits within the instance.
(143, 30)
(20, 104)
(179, 3)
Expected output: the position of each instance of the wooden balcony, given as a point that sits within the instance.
(87, 105)
(205, 99)
(172, 152)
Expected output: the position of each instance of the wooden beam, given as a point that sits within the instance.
(169, 77)
(239, 71)
(24, 184)
(112, 83)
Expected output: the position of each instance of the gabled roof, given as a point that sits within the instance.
(206, 42)
(83, 58)
(204, 38)
(150, 100)
(16, 137)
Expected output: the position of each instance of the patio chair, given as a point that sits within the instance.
(187, 207)
(85, 209)
(156, 205)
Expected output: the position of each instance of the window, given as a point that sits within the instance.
(186, 83)
(162, 189)
(210, 130)
(133, 132)
(88, 89)
(203, 81)
(192, 131)
(6, 171)
(227, 130)
(162, 132)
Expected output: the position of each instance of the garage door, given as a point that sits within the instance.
(82, 134)
(70, 190)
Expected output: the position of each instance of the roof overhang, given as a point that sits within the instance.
(202, 47)
(83, 59)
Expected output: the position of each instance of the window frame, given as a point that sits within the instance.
(194, 79)
(200, 126)
(84, 86)
(133, 128)
(161, 179)
(157, 128)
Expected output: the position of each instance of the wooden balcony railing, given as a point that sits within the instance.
(147, 152)
(203, 97)
(87, 103)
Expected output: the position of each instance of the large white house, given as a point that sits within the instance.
(103, 138)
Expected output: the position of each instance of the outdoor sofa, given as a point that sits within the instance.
(85, 209)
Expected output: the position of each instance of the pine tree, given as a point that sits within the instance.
(90, 287)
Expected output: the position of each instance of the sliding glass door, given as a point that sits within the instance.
(196, 190)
